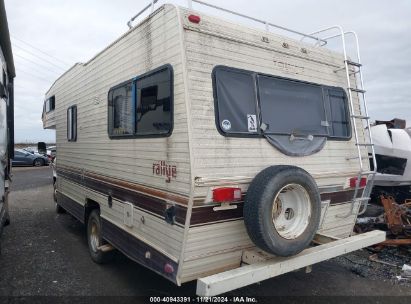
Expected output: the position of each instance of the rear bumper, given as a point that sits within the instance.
(274, 266)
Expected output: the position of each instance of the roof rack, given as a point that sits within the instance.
(267, 24)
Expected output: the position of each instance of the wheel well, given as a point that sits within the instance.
(90, 206)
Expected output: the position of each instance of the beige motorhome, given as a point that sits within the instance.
(206, 150)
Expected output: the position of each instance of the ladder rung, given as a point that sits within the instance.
(357, 90)
(362, 198)
(355, 72)
(364, 145)
(353, 63)
(339, 69)
(356, 157)
(360, 116)
(367, 172)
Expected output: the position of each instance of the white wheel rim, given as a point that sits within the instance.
(291, 211)
(94, 237)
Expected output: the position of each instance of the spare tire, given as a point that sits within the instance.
(282, 210)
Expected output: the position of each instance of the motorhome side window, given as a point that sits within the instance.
(283, 106)
(143, 106)
(50, 104)
(120, 107)
(72, 123)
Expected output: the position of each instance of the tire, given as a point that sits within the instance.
(7, 214)
(7, 221)
(55, 192)
(94, 239)
(282, 210)
(38, 162)
(59, 209)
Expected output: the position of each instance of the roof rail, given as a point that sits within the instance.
(266, 23)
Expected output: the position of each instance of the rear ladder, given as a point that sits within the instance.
(353, 88)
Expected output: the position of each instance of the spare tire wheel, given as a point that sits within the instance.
(282, 210)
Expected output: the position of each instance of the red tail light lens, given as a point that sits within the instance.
(168, 268)
(221, 195)
(194, 19)
(353, 181)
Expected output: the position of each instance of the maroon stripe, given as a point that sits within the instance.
(340, 196)
(148, 203)
(138, 251)
(157, 206)
(204, 215)
(71, 206)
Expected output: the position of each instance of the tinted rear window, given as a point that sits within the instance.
(250, 104)
(236, 99)
(289, 107)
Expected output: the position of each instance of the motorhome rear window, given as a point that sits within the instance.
(72, 123)
(252, 104)
(142, 106)
(236, 101)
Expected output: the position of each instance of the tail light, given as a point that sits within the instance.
(168, 268)
(353, 182)
(221, 195)
(194, 19)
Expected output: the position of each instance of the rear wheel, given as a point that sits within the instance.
(7, 213)
(282, 210)
(95, 240)
(59, 209)
(7, 220)
(38, 162)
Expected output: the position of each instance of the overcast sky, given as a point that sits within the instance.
(70, 31)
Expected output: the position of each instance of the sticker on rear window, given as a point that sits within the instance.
(226, 125)
(252, 122)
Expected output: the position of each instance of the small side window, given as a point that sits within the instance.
(72, 123)
(3, 85)
(50, 104)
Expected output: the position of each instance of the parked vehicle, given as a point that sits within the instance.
(393, 153)
(199, 146)
(30, 150)
(51, 151)
(24, 158)
(7, 75)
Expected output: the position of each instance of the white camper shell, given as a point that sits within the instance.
(196, 146)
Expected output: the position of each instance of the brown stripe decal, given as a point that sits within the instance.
(139, 251)
(148, 203)
(149, 191)
(201, 215)
(71, 206)
(340, 196)
(165, 195)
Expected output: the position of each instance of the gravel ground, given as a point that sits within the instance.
(46, 254)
